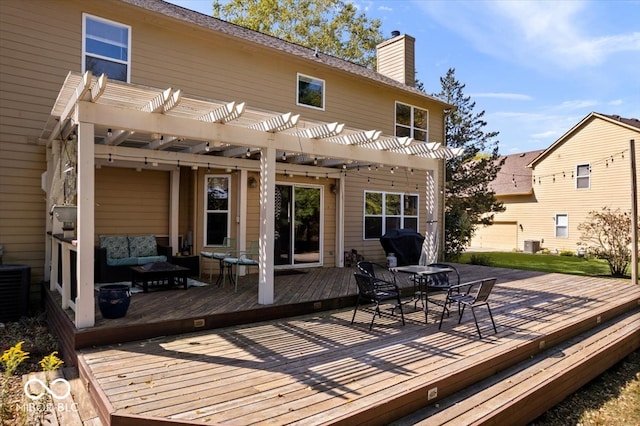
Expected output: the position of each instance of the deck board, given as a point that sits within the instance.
(318, 368)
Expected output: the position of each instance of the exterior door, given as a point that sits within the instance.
(298, 225)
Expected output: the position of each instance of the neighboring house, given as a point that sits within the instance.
(203, 130)
(547, 194)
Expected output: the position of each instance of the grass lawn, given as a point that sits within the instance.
(539, 262)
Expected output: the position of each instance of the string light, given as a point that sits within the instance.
(110, 159)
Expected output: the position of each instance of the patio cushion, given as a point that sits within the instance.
(117, 246)
(150, 259)
(125, 261)
(142, 246)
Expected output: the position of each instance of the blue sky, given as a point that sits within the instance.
(536, 68)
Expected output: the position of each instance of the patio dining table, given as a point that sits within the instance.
(421, 278)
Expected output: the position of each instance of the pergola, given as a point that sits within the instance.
(112, 122)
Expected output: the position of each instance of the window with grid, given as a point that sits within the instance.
(106, 48)
(217, 213)
(562, 225)
(384, 211)
(583, 176)
(412, 122)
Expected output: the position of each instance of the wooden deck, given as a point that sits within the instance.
(316, 368)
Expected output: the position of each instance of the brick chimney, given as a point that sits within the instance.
(396, 58)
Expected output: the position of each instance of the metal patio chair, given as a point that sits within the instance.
(376, 270)
(376, 291)
(227, 249)
(246, 258)
(464, 295)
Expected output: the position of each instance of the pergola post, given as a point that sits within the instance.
(267, 225)
(85, 300)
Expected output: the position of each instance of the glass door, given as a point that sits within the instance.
(298, 225)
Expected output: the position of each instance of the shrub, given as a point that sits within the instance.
(568, 253)
(607, 235)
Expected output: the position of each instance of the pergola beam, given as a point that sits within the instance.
(117, 137)
(277, 124)
(191, 129)
(224, 114)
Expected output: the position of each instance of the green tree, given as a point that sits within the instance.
(470, 202)
(607, 235)
(334, 27)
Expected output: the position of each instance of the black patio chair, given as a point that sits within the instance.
(376, 291)
(376, 270)
(463, 296)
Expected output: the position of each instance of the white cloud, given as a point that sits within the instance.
(560, 34)
(615, 102)
(576, 104)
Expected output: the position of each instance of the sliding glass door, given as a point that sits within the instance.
(298, 225)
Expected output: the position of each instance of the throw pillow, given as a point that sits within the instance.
(117, 247)
(143, 246)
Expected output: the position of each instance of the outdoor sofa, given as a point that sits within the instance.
(115, 254)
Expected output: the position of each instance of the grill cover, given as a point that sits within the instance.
(405, 244)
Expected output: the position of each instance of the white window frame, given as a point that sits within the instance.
(558, 226)
(384, 216)
(127, 63)
(411, 127)
(207, 211)
(586, 177)
(313, 79)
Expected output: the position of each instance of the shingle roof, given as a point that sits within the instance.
(628, 121)
(218, 25)
(515, 178)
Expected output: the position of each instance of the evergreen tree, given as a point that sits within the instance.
(332, 26)
(469, 201)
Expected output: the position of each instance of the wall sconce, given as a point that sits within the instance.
(333, 188)
(252, 182)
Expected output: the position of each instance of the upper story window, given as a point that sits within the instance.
(217, 213)
(310, 91)
(412, 122)
(384, 211)
(106, 48)
(562, 225)
(583, 176)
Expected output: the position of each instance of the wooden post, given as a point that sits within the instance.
(634, 213)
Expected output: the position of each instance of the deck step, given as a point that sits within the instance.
(523, 392)
(74, 409)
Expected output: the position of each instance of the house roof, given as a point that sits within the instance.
(236, 31)
(515, 178)
(631, 123)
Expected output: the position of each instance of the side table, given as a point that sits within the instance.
(191, 262)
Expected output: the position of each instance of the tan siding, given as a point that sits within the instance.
(131, 203)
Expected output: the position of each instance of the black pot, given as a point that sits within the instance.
(113, 300)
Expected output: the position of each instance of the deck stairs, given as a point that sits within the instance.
(523, 392)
